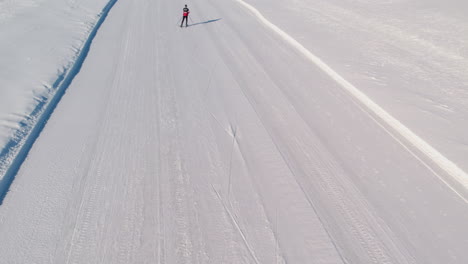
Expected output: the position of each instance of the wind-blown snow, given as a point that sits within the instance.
(38, 41)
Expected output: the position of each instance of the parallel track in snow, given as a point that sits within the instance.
(258, 159)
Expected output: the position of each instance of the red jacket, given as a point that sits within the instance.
(186, 11)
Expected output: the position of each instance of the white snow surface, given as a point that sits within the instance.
(326, 131)
(39, 39)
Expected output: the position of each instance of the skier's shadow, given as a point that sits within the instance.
(206, 22)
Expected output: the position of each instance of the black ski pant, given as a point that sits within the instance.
(186, 20)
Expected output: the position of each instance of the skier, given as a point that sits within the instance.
(185, 16)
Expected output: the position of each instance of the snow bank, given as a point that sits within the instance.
(38, 41)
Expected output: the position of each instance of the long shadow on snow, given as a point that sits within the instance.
(205, 22)
(18, 147)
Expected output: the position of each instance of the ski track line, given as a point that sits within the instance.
(236, 224)
(232, 133)
(62, 83)
(283, 157)
(157, 98)
(434, 155)
(366, 239)
(248, 98)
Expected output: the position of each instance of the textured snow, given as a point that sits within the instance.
(409, 56)
(38, 41)
(245, 139)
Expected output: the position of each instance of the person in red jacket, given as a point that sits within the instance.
(185, 16)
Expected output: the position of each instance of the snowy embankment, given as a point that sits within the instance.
(408, 56)
(39, 42)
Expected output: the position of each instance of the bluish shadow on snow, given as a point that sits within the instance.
(205, 22)
(17, 149)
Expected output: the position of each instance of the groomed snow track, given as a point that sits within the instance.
(222, 143)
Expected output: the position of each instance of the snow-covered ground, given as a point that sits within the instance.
(230, 142)
(410, 56)
(39, 40)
